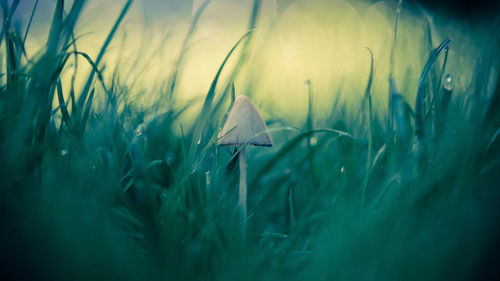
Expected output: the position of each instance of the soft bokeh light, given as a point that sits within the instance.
(318, 40)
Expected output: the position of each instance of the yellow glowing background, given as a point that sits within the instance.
(319, 40)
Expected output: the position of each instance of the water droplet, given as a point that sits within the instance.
(207, 178)
(448, 83)
(169, 158)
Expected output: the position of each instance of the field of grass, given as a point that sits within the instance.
(96, 186)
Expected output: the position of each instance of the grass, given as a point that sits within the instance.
(117, 191)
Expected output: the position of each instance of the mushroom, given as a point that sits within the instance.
(244, 125)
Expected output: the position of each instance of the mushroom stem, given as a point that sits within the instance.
(243, 184)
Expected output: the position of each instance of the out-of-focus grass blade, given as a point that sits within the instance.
(309, 127)
(245, 50)
(55, 28)
(192, 29)
(10, 57)
(233, 98)
(233, 94)
(492, 117)
(443, 68)
(20, 45)
(446, 94)
(391, 63)
(94, 69)
(60, 24)
(419, 114)
(59, 68)
(30, 21)
(86, 112)
(62, 104)
(291, 207)
(335, 106)
(492, 141)
(291, 145)
(309, 121)
(400, 121)
(8, 12)
(203, 153)
(370, 133)
(204, 117)
(86, 89)
(71, 18)
(379, 156)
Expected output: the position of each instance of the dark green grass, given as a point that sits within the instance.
(93, 192)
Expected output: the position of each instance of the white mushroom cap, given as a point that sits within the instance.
(243, 124)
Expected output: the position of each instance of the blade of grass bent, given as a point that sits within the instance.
(192, 28)
(86, 89)
(292, 144)
(370, 133)
(94, 69)
(62, 104)
(6, 23)
(203, 119)
(419, 114)
(55, 28)
(391, 62)
(30, 21)
(245, 50)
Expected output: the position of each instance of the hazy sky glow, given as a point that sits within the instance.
(324, 41)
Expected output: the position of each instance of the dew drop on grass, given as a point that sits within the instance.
(448, 82)
(207, 178)
(169, 158)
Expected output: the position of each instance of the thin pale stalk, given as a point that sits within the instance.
(243, 187)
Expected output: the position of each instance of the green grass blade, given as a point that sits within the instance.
(8, 12)
(86, 113)
(419, 114)
(370, 130)
(289, 146)
(55, 28)
(192, 28)
(391, 63)
(95, 69)
(245, 50)
(109, 38)
(62, 104)
(204, 117)
(30, 21)
(309, 127)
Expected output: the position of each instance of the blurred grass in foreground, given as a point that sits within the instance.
(96, 186)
